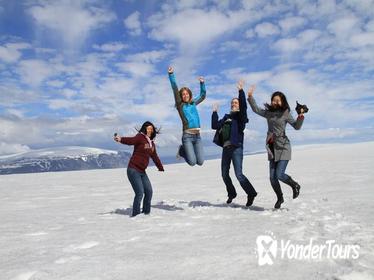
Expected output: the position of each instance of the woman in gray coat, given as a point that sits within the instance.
(278, 145)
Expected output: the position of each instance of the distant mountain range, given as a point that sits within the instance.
(73, 158)
(62, 159)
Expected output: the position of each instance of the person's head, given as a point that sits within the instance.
(235, 104)
(278, 102)
(149, 129)
(185, 94)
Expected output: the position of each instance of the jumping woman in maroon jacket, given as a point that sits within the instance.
(144, 148)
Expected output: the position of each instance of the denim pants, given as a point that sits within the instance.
(277, 172)
(142, 186)
(235, 154)
(193, 149)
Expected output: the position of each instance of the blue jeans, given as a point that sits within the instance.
(235, 154)
(277, 172)
(142, 186)
(193, 149)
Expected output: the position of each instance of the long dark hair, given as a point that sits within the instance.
(283, 98)
(143, 129)
(188, 90)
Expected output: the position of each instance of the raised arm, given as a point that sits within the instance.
(157, 160)
(174, 86)
(242, 102)
(202, 94)
(253, 104)
(296, 124)
(216, 123)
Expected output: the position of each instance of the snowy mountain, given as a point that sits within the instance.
(62, 159)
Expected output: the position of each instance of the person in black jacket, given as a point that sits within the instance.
(230, 135)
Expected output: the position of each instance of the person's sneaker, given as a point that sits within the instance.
(250, 200)
(279, 202)
(295, 190)
(229, 200)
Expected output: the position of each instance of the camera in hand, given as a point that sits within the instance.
(299, 107)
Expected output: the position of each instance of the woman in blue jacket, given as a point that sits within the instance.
(230, 135)
(191, 149)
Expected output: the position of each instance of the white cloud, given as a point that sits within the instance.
(141, 64)
(370, 25)
(251, 78)
(56, 104)
(15, 113)
(72, 20)
(12, 148)
(110, 47)
(55, 83)
(291, 23)
(139, 69)
(132, 23)
(194, 28)
(266, 29)
(364, 7)
(302, 40)
(34, 71)
(250, 33)
(363, 39)
(12, 52)
(343, 27)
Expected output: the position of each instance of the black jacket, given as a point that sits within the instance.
(239, 120)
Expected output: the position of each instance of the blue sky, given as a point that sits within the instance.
(74, 72)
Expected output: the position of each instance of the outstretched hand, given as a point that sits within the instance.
(170, 70)
(201, 79)
(215, 107)
(251, 90)
(117, 138)
(240, 84)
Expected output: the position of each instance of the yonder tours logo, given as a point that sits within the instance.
(269, 249)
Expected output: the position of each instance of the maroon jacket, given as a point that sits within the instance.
(142, 152)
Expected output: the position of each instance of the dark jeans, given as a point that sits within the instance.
(142, 186)
(235, 154)
(278, 173)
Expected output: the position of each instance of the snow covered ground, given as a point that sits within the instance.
(76, 225)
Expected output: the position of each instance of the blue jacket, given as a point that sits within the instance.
(187, 111)
(239, 120)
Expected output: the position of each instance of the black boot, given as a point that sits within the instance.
(229, 200)
(250, 200)
(181, 153)
(279, 202)
(294, 185)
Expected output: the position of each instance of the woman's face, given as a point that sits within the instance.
(235, 104)
(276, 102)
(185, 96)
(149, 130)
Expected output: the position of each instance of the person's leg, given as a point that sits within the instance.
(275, 183)
(198, 148)
(237, 160)
(137, 185)
(282, 176)
(189, 151)
(147, 194)
(280, 171)
(225, 171)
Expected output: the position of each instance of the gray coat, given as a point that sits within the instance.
(277, 122)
